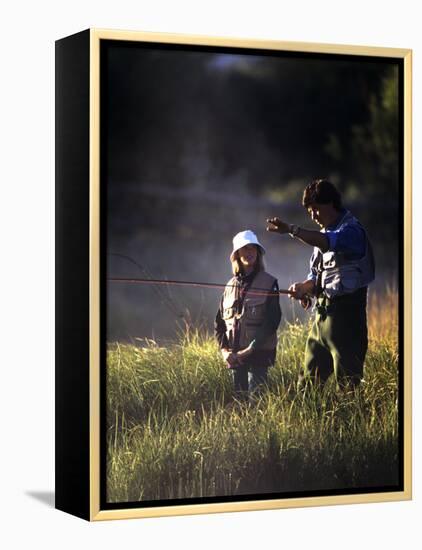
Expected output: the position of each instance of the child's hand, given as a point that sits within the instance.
(246, 351)
(229, 356)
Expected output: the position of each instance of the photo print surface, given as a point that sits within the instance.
(234, 368)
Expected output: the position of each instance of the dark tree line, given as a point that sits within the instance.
(259, 124)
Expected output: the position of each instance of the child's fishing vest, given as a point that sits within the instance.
(252, 315)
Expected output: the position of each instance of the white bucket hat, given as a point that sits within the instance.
(242, 239)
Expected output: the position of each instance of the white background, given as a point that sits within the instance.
(29, 30)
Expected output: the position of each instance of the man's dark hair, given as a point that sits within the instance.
(321, 192)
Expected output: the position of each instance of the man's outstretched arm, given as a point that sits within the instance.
(312, 238)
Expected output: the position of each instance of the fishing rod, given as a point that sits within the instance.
(256, 291)
(163, 297)
(306, 300)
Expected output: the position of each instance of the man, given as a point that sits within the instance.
(341, 267)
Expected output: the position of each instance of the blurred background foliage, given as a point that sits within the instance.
(198, 145)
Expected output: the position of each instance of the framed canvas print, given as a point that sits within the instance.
(233, 274)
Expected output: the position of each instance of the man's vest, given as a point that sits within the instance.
(247, 322)
(340, 275)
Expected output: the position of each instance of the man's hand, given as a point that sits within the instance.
(276, 225)
(313, 238)
(298, 290)
(303, 292)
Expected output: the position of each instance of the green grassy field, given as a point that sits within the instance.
(175, 431)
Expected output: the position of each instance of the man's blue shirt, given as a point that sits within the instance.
(348, 239)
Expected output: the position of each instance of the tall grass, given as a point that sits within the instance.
(176, 431)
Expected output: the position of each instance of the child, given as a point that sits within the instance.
(248, 317)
